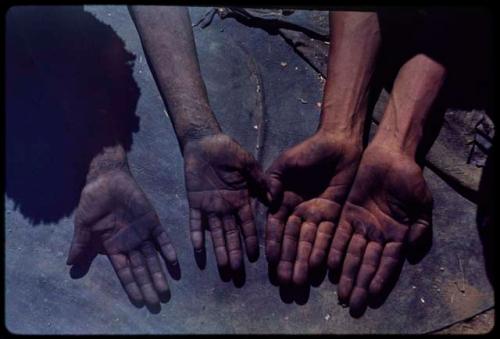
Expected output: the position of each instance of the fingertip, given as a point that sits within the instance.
(165, 295)
(332, 263)
(375, 288)
(358, 302)
(300, 274)
(221, 257)
(171, 255)
(284, 271)
(137, 303)
(235, 263)
(344, 290)
(74, 253)
(272, 253)
(315, 259)
(253, 253)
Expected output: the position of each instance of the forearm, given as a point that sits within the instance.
(415, 89)
(354, 43)
(168, 41)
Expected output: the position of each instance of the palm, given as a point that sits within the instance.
(220, 176)
(214, 176)
(313, 179)
(388, 207)
(115, 218)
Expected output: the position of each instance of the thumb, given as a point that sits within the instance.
(80, 245)
(420, 236)
(275, 188)
(258, 180)
(419, 239)
(274, 177)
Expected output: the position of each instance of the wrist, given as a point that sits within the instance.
(340, 140)
(110, 158)
(342, 127)
(197, 133)
(395, 141)
(399, 136)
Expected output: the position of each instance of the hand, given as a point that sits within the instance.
(309, 184)
(220, 177)
(115, 218)
(388, 208)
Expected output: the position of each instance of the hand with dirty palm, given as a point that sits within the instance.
(387, 216)
(310, 181)
(309, 184)
(220, 177)
(115, 218)
(388, 211)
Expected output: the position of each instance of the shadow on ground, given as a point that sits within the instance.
(68, 76)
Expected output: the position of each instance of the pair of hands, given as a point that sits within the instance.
(115, 218)
(386, 206)
(359, 211)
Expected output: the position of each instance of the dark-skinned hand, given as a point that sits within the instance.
(115, 218)
(388, 210)
(220, 179)
(309, 184)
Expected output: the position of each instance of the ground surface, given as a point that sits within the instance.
(267, 107)
(480, 324)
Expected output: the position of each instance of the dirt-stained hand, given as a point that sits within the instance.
(388, 210)
(115, 218)
(309, 184)
(220, 179)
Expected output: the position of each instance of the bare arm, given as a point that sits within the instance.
(354, 44)
(168, 41)
(389, 208)
(415, 89)
(219, 172)
(326, 162)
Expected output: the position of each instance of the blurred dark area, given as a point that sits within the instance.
(69, 92)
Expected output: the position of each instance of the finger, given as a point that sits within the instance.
(197, 235)
(371, 260)
(142, 278)
(418, 232)
(82, 251)
(389, 263)
(257, 178)
(218, 240)
(154, 268)
(249, 230)
(233, 242)
(166, 247)
(339, 244)
(289, 249)
(421, 229)
(79, 245)
(350, 267)
(274, 233)
(306, 239)
(122, 269)
(274, 182)
(322, 241)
